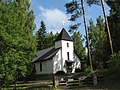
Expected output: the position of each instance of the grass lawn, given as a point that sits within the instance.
(44, 82)
(109, 82)
(28, 85)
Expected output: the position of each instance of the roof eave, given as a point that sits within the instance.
(42, 60)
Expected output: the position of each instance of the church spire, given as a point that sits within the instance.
(63, 36)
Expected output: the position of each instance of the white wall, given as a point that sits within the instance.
(72, 55)
(66, 49)
(77, 64)
(57, 62)
(46, 67)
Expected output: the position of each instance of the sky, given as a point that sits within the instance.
(53, 13)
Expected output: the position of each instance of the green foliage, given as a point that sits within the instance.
(50, 38)
(90, 2)
(114, 23)
(74, 27)
(87, 72)
(73, 7)
(114, 63)
(102, 72)
(44, 39)
(98, 39)
(16, 40)
(40, 36)
(79, 48)
(78, 45)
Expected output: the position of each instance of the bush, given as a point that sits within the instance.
(43, 77)
(60, 72)
(86, 72)
(102, 72)
(77, 70)
(114, 63)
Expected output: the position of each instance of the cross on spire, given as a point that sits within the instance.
(63, 23)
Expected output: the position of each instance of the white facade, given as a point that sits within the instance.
(66, 48)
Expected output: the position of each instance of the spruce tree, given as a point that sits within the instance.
(101, 2)
(50, 38)
(98, 40)
(40, 36)
(114, 21)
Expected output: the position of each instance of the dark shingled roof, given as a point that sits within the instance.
(45, 54)
(63, 36)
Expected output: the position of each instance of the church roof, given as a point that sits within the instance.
(45, 54)
(63, 36)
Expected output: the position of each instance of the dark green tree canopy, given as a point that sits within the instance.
(44, 39)
(98, 40)
(40, 36)
(74, 8)
(114, 22)
(78, 44)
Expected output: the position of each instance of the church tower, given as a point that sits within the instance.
(65, 43)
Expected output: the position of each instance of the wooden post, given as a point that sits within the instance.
(55, 81)
(79, 81)
(95, 79)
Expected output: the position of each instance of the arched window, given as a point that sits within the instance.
(67, 44)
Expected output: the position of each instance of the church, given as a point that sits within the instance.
(60, 57)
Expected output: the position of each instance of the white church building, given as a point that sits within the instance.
(61, 57)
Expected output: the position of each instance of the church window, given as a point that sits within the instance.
(40, 66)
(67, 44)
(68, 55)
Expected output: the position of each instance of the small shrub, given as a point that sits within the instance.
(60, 72)
(78, 70)
(102, 72)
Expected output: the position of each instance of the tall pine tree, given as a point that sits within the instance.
(98, 40)
(76, 9)
(40, 36)
(114, 21)
(44, 39)
(101, 2)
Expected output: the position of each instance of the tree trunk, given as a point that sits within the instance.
(87, 37)
(107, 25)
